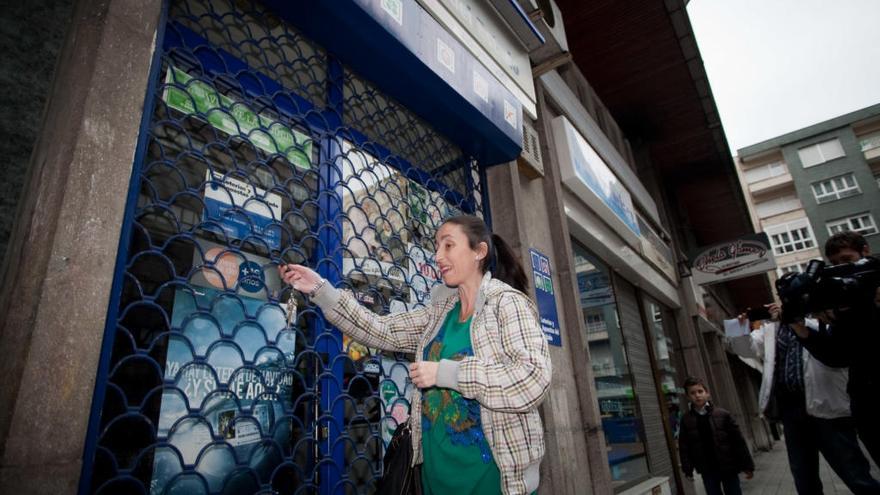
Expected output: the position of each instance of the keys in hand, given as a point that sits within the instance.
(291, 309)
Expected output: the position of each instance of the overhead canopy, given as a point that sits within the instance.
(642, 60)
(399, 51)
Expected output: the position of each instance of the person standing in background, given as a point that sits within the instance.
(711, 443)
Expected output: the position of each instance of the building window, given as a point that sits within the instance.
(791, 237)
(820, 152)
(778, 205)
(862, 223)
(621, 420)
(762, 172)
(835, 188)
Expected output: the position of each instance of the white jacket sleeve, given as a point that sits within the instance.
(751, 345)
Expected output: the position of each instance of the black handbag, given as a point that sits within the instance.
(400, 476)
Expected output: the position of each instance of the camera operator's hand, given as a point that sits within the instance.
(775, 310)
(827, 317)
(800, 329)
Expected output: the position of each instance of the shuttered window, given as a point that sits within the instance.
(659, 461)
(819, 153)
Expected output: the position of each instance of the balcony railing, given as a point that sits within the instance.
(870, 143)
(606, 369)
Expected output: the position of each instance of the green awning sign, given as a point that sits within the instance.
(235, 118)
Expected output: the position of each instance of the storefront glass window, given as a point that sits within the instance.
(670, 382)
(621, 421)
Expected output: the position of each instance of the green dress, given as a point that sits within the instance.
(457, 458)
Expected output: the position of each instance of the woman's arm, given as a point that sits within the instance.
(751, 345)
(517, 385)
(399, 332)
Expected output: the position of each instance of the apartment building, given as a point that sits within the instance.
(804, 186)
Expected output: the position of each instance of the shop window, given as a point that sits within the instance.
(209, 388)
(667, 362)
(621, 420)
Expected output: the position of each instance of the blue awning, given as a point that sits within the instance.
(412, 58)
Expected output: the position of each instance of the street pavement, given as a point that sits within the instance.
(772, 476)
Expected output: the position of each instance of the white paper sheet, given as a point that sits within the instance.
(733, 328)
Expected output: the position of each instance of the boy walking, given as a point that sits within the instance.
(711, 443)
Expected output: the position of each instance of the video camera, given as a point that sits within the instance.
(821, 287)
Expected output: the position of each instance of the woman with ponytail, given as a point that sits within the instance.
(482, 365)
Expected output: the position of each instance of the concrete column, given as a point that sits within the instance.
(689, 339)
(748, 383)
(56, 288)
(725, 389)
(32, 34)
(566, 450)
(528, 213)
(582, 388)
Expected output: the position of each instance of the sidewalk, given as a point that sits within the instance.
(772, 476)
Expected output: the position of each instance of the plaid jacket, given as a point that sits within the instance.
(509, 373)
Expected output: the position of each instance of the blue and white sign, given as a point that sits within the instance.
(250, 276)
(589, 177)
(417, 29)
(242, 209)
(546, 297)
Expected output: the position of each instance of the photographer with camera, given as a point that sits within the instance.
(811, 401)
(844, 297)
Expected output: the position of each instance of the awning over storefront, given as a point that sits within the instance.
(408, 54)
(646, 68)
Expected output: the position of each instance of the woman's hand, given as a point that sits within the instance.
(299, 277)
(424, 373)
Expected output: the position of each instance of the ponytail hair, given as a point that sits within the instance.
(501, 260)
(507, 266)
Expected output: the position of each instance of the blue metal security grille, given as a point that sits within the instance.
(259, 149)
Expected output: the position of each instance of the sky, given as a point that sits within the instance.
(776, 66)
